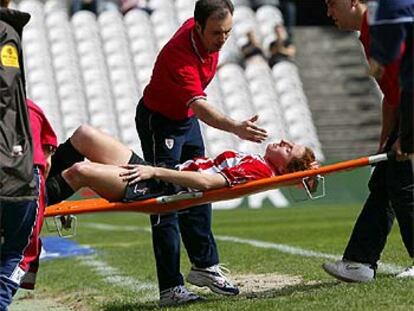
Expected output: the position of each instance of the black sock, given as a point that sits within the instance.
(57, 189)
(64, 157)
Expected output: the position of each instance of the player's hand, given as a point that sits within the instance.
(375, 70)
(248, 130)
(399, 155)
(136, 173)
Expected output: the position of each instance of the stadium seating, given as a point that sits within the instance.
(93, 69)
(217, 140)
(41, 83)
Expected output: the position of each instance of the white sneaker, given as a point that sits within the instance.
(214, 278)
(176, 296)
(350, 271)
(407, 273)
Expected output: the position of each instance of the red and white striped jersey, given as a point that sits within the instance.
(236, 167)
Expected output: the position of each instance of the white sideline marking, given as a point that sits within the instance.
(114, 277)
(386, 268)
(108, 227)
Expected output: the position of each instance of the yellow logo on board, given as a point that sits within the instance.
(9, 56)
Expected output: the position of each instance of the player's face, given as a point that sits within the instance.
(340, 11)
(216, 32)
(280, 154)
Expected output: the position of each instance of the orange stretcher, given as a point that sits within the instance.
(176, 202)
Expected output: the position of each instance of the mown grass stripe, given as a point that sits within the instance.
(114, 277)
(387, 268)
(384, 267)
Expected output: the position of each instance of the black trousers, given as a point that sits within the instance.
(171, 142)
(407, 121)
(391, 196)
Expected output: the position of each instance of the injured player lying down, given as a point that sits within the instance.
(118, 174)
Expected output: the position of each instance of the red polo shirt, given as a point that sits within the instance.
(182, 71)
(390, 82)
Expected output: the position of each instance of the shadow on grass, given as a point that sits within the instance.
(267, 294)
(153, 305)
(115, 306)
(289, 290)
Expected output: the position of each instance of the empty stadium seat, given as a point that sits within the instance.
(158, 5)
(96, 68)
(269, 13)
(55, 6)
(56, 19)
(110, 17)
(184, 4)
(83, 18)
(34, 7)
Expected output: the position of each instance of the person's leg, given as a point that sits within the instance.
(288, 9)
(401, 187)
(91, 143)
(32, 252)
(100, 147)
(195, 223)
(87, 142)
(166, 246)
(198, 239)
(195, 228)
(369, 235)
(373, 224)
(407, 121)
(76, 6)
(104, 179)
(29, 279)
(407, 94)
(65, 156)
(18, 220)
(165, 232)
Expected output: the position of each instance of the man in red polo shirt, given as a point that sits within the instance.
(167, 123)
(391, 184)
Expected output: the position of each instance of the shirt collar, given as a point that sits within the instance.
(198, 46)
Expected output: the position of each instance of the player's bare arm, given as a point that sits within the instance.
(194, 180)
(247, 129)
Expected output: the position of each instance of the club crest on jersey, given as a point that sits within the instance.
(169, 143)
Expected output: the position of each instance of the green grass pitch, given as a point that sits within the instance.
(255, 244)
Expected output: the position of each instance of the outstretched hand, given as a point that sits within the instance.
(248, 130)
(136, 173)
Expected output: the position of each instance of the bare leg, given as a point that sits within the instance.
(100, 147)
(102, 178)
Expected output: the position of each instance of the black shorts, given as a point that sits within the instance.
(150, 188)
